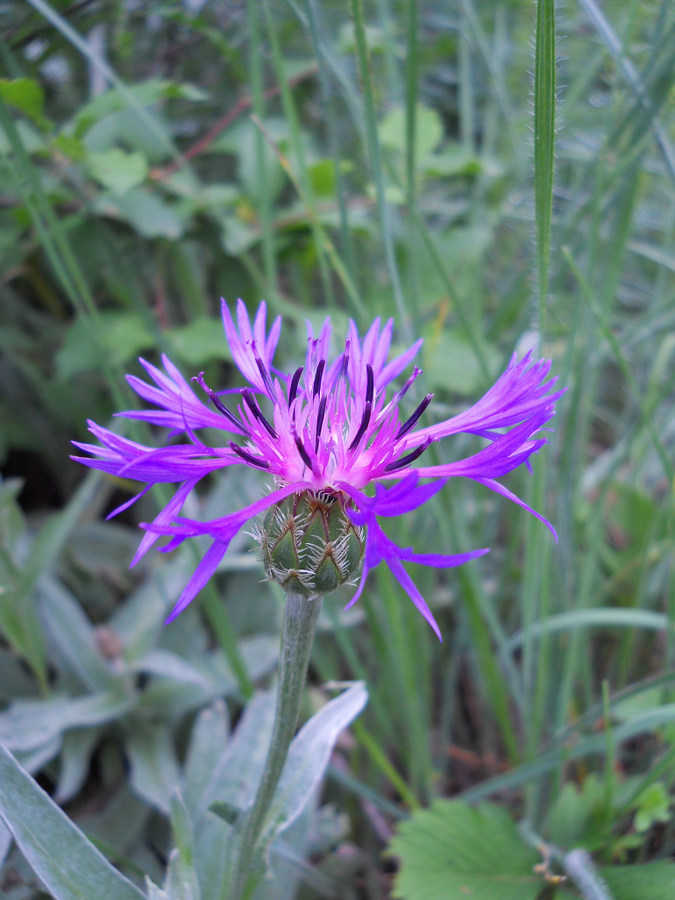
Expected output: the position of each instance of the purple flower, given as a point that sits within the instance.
(328, 428)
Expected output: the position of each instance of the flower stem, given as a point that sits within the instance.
(297, 635)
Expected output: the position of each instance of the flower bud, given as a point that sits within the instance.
(309, 544)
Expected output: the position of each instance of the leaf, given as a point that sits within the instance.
(119, 335)
(181, 879)
(154, 767)
(73, 637)
(648, 881)
(199, 342)
(452, 851)
(118, 170)
(451, 365)
(233, 780)
(5, 842)
(75, 758)
(29, 724)
(145, 212)
(309, 755)
(428, 130)
(210, 734)
(27, 96)
(653, 806)
(68, 864)
(147, 93)
(169, 665)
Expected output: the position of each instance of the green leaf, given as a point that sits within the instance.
(154, 767)
(30, 724)
(233, 780)
(574, 816)
(308, 758)
(322, 178)
(210, 734)
(649, 881)
(653, 806)
(147, 93)
(73, 637)
(428, 131)
(226, 812)
(451, 365)
(145, 212)
(118, 170)
(27, 96)
(181, 879)
(120, 335)
(58, 852)
(199, 342)
(452, 851)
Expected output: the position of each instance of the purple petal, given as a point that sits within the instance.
(408, 586)
(505, 492)
(200, 576)
(164, 517)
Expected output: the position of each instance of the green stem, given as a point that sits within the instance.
(297, 636)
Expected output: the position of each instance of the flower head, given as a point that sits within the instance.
(324, 433)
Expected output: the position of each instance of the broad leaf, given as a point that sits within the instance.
(452, 851)
(118, 170)
(58, 852)
(651, 881)
(309, 755)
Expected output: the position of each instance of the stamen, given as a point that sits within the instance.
(302, 450)
(262, 369)
(247, 394)
(219, 405)
(367, 412)
(345, 359)
(295, 381)
(319, 421)
(408, 384)
(248, 457)
(408, 424)
(370, 384)
(317, 378)
(408, 458)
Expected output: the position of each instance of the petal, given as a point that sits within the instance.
(408, 586)
(200, 576)
(505, 492)
(172, 508)
(518, 394)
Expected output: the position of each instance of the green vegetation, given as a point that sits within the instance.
(494, 179)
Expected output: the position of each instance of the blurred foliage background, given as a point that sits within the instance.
(361, 160)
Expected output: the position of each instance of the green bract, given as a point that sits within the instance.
(309, 544)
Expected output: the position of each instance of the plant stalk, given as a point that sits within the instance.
(297, 636)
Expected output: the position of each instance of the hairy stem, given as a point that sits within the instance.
(300, 618)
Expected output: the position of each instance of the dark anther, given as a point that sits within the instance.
(345, 361)
(219, 405)
(317, 378)
(320, 416)
(295, 381)
(367, 412)
(406, 387)
(408, 458)
(263, 370)
(302, 450)
(257, 414)
(408, 424)
(248, 457)
(370, 384)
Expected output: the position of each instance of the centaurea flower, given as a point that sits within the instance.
(326, 432)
